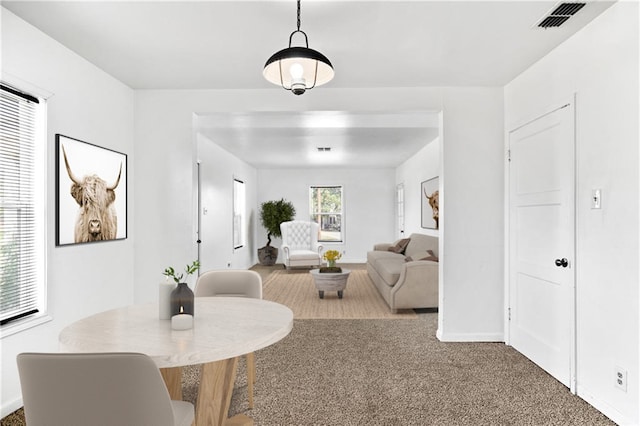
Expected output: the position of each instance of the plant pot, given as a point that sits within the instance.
(330, 269)
(268, 255)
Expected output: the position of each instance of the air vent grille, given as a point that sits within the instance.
(560, 15)
(553, 21)
(567, 9)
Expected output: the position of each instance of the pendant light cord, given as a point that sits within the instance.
(306, 41)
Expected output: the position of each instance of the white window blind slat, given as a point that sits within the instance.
(20, 289)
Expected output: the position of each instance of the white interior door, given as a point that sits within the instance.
(541, 246)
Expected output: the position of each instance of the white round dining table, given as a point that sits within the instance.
(223, 329)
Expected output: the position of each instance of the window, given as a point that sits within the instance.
(22, 288)
(326, 207)
(239, 207)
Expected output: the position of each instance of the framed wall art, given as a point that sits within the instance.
(429, 193)
(91, 192)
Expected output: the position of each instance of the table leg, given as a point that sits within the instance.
(214, 396)
(173, 379)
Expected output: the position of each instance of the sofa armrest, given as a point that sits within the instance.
(382, 246)
(417, 285)
(285, 249)
(318, 247)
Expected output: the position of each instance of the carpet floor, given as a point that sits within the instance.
(295, 289)
(381, 372)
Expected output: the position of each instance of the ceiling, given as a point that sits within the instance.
(371, 44)
(354, 139)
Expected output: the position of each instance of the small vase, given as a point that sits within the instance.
(182, 300)
(332, 263)
(164, 299)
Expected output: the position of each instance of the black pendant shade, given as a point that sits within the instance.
(298, 69)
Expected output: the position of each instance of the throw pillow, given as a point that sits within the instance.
(400, 246)
(423, 255)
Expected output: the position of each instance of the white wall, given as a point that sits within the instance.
(600, 65)
(471, 216)
(89, 105)
(424, 165)
(368, 196)
(218, 168)
(472, 175)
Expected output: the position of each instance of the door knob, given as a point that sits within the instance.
(562, 262)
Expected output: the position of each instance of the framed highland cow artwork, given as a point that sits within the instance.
(429, 193)
(91, 192)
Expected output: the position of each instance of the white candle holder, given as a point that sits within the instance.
(182, 322)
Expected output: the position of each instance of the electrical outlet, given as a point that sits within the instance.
(621, 378)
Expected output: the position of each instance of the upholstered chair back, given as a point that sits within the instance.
(107, 389)
(229, 283)
(299, 234)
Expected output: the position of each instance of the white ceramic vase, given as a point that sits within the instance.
(164, 299)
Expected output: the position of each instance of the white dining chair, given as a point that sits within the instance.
(233, 283)
(100, 389)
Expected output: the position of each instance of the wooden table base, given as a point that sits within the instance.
(214, 394)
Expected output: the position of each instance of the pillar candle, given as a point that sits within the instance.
(182, 322)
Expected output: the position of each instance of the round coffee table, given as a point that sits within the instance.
(330, 281)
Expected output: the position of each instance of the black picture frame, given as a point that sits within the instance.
(94, 208)
(429, 191)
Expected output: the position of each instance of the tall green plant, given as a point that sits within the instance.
(272, 214)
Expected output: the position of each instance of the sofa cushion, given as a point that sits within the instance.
(303, 255)
(375, 255)
(421, 243)
(422, 255)
(389, 269)
(400, 246)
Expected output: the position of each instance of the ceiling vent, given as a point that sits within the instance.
(324, 149)
(560, 15)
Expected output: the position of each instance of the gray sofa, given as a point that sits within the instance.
(403, 281)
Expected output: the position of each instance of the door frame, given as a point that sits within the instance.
(569, 103)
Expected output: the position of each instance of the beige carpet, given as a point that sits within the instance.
(361, 300)
(378, 372)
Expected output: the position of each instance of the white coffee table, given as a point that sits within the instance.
(330, 281)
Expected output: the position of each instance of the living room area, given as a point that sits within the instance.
(450, 365)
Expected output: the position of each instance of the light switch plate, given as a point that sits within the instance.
(596, 198)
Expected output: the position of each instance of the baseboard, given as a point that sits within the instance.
(469, 337)
(606, 409)
(10, 407)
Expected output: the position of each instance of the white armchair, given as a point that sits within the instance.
(300, 244)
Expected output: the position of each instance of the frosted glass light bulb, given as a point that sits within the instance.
(296, 71)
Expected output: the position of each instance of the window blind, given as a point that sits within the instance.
(19, 289)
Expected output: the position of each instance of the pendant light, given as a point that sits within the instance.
(298, 69)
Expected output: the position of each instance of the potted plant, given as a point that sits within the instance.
(181, 299)
(331, 256)
(272, 214)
